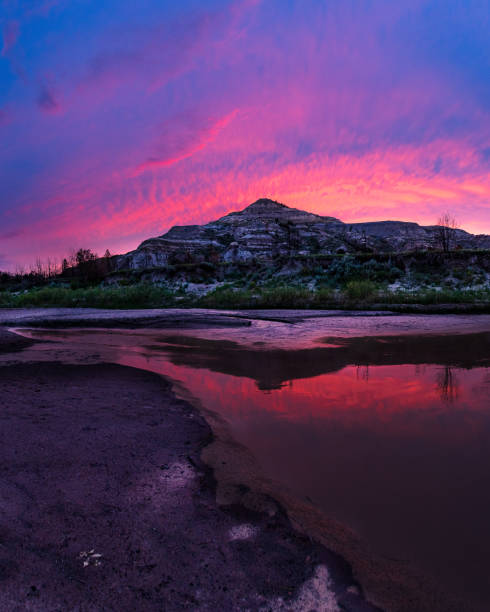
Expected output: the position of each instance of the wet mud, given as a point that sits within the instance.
(105, 504)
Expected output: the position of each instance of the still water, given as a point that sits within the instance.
(388, 435)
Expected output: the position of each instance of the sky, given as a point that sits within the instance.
(120, 119)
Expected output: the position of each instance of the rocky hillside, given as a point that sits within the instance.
(266, 230)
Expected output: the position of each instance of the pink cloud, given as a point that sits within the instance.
(185, 119)
(175, 147)
(370, 187)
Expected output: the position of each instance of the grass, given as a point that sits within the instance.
(136, 296)
(279, 297)
(360, 290)
(354, 294)
(434, 297)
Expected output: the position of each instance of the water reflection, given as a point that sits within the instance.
(448, 384)
(362, 372)
(390, 435)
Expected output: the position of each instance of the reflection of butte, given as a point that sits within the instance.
(271, 369)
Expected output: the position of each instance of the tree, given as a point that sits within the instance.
(107, 263)
(446, 231)
(86, 262)
(83, 256)
(39, 268)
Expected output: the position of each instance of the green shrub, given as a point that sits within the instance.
(135, 296)
(360, 290)
(355, 294)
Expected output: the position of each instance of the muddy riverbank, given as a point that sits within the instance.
(107, 505)
(240, 488)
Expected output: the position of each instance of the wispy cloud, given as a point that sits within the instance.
(154, 114)
(10, 32)
(182, 137)
(46, 100)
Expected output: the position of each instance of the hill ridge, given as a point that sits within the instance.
(267, 229)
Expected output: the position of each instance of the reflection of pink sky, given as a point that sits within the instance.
(377, 448)
(402, 400)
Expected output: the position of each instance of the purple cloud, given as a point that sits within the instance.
(47, 101)
(10, 33)
(161, 113)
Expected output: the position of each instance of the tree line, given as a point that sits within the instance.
(81, 263)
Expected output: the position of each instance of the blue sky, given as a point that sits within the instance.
(120, 119)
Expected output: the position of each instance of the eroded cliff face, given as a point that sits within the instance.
(267, 229)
